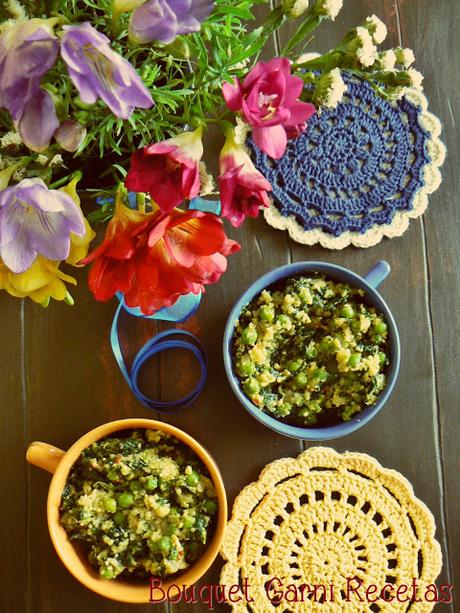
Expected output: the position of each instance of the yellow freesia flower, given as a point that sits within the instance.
(42, 281)
(78, 244)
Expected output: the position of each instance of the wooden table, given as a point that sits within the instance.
(59, 378)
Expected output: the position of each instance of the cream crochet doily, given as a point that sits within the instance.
(326, 518)
(431, 181)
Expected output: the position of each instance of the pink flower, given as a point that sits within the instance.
(243, 190)
(169, 170)
(268, 101)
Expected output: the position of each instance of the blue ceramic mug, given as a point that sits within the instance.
(369, 283)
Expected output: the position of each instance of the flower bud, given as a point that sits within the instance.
(329, 89)
(328, 8)
(124, 6)
(386, 60)
(70, 135)
(294, 8)
(362, 47)
(405, 57)
(179, 48)
(307, 57)
(415, 78)
(376, 28)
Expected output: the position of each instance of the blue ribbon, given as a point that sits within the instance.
(167, 340)
(180, 311)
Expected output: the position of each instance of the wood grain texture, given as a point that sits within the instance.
(60, 378)
(440, 24)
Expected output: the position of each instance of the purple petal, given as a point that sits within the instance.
(49, 235)
(38, 122)
(34, 193)
(201, 9)
(154, 20)
(27, 51)
(71, 212)
(18, 255)
(86, 86)
(12, 219)
(98, 72)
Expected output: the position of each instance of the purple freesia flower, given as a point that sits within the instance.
(97, 71)
(27, 52)
(36, 220)
(163, 20)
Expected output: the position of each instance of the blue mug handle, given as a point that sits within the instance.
(378, 274)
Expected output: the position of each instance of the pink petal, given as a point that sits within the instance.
(272, 140)
(232, 95)
(300, 112)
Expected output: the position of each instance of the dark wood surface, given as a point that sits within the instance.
(60, 378)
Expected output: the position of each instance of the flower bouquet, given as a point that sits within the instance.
(113, 97)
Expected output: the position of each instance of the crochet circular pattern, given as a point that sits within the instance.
(335, 520)
(358, 172)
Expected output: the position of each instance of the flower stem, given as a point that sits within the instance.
(308, 25)
(77, 174)
(140, 200)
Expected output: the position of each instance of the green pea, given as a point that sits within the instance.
(380, 326)
(347, 311)
(356, 326)
(135, 486)
(382, 358)
(210, 506)
(249, 335)
(110, 505)
(354, 360)
(301, 379)
(172, 529)
(173, 554)
(311, 353)
(377, 338)
(107, 573)
(125, 500)
(321, 374)
(325, 344)
(251, 386)
(151, 483)
(112, 475)
(189, 522)
(247, 366)
(192, 479)
(294, 365)
(266, 313)
(164, 544)
(283, 320)
(119, 519)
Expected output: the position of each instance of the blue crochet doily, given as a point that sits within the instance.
(353, 167)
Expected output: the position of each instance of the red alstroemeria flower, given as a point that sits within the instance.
(243, 189)
(159, 258)
(268, 101)
(169, 170)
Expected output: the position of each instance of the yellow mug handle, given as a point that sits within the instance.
(44, 456)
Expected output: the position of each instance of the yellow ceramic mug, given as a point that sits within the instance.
(59, 463)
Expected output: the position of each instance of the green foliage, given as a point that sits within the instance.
(185, 78)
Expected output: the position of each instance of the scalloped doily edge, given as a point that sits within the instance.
(432, 180)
